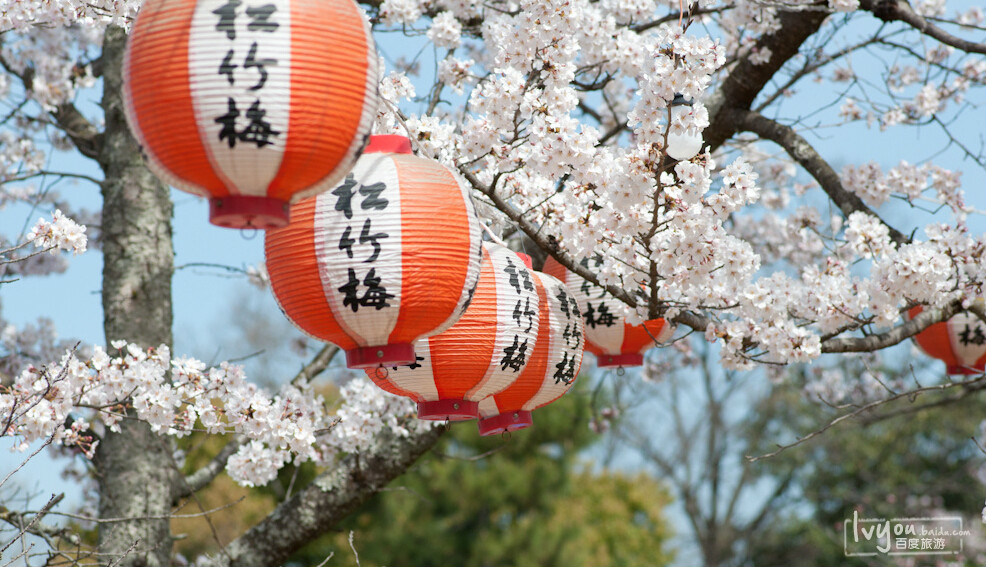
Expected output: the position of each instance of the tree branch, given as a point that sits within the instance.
(901, 11)
(920, 322)
(747, 80)
(332, 496)
(805, 155)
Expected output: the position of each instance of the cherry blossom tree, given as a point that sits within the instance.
(559, 114)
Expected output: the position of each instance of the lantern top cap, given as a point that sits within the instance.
(681, 100)
(388, 144)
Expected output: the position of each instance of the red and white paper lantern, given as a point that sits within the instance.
(251, 103)
(483, 353)
(388, 256)
(959, 342)
(552, 369)
(615, 342)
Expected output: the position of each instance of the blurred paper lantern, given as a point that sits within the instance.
(684, 145)
(615, 342)
(960, 342)
(553, 366)
(388, 256)
(253, 104)
(483, 353)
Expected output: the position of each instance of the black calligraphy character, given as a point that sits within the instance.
(227, 66)
(365, 237)
(972, 335)
(372, 198)
(414, 365)
(346, 243)
(345, 192)
(565, 369)
(511, 270)
(227, 18)
(260, 18)
(515, 355)
(258, 131)
(572, 332)
(260, 64)
(562, 298)
(526, 311)
(469, 296)
(376, 295)
(586, 287)
(600, 315)
(228, 121)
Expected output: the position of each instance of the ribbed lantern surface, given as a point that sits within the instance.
(483, 353)
(615, 342)
(960, 342)
(388, 256)
(553, 366)
(251, 103)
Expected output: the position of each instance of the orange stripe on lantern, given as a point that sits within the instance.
(159, 98)
(297, 285)
(330, 60)
(458, 370)
(433, 277)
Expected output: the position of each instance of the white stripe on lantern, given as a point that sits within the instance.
(421, 380)
(497, 377)
(368, 326)
(965, 354)
(247, 168)
(608, 338)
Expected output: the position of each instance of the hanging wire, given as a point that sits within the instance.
(248, 233)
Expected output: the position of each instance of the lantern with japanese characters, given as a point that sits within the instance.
(251, 103)
(388, 256)
(615, 342)
(482, 354)
(553, 366)
(959, 342)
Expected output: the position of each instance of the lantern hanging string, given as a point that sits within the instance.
(248, 234)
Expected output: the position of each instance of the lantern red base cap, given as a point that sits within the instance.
(448, 409)
(612, 360)
(385, 355)
(243, 211)
(388, 144)
(963, 370)
(504, 422)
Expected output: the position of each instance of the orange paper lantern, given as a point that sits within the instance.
(960, 342)
(615, 342)
(483, 353)
(388, 256)
(552, 369)
(253, 104)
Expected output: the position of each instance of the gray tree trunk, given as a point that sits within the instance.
(134, 468)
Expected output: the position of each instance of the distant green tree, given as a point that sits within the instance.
(909, 458)
(529, 500)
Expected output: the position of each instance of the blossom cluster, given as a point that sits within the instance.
(65, 401)
(62, 233)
